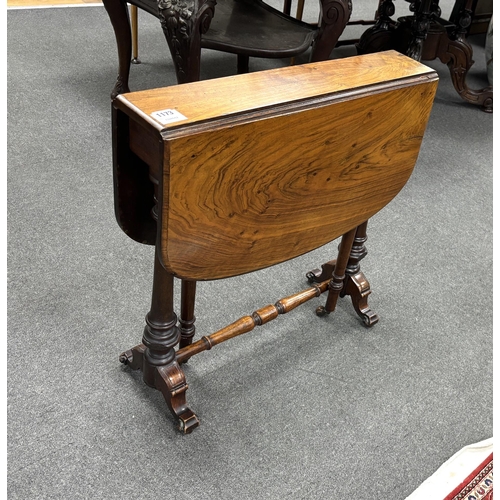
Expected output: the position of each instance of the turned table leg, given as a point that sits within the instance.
(187, 317)
(156, 355)
(337, 282)
(188, 288)
(355, 283)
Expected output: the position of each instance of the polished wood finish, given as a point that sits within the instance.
(248, 323)
(187, 318)
(262, 168)
(338, 274)
(234, 95)
(270, 219)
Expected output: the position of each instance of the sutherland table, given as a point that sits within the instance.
(236, 174)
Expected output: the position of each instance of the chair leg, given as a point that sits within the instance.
(183, 24)
(300, 10)
(287, 7)
(119, 17)
(298, 15)
(135, 35)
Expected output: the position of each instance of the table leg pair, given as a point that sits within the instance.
(161, 363)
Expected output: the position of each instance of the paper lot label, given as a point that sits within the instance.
(168, 116)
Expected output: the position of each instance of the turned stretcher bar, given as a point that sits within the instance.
(243, 325)
(233, 175)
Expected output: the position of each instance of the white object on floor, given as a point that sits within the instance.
(453, 472)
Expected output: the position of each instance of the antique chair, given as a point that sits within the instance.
(247, 28)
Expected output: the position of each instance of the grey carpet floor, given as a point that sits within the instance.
(304, 407)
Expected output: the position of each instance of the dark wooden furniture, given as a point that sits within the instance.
(225, 186)
(248, 28)
(426, 36)
(481, 17)
(244, 27)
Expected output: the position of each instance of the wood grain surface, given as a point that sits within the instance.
(273, 164)
(217, 99)
(248, 197)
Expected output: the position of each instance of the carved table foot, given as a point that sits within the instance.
(319, 275)
(133, 357)
(171, 382)
(358, 288)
